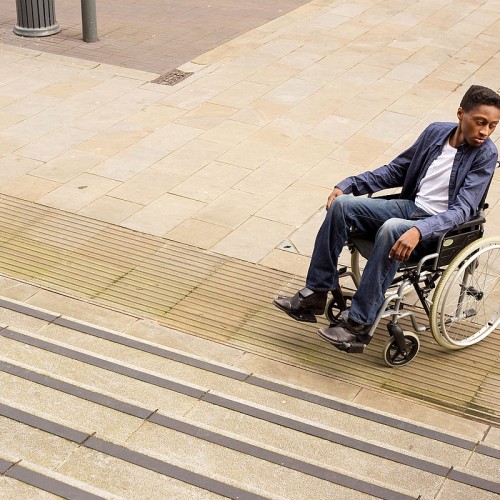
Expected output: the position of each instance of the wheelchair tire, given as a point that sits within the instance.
(394, 357)
(355, 268)
(466, 303)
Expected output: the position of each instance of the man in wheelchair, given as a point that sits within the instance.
(442, 177)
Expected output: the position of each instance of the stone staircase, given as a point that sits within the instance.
(87, 412)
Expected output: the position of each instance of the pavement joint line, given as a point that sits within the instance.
(49, 484)
(62, 226)
(104, 263)
(160, 243)
(5, 465)
(28, 310)
(131, 456)
(474, 480)
(381, 418)
(81, 276)
(231, 404)
(258, 381)
(75, 390)
(43, 424)
(164, 245)
(487, 450)
(151, 349)
(259, 333)
(278, 458)
(205, 434)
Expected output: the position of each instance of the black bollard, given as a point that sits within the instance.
(89, 21)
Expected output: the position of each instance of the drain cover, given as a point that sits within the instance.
(172, 77)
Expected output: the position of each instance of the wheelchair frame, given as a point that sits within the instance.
(464, 244)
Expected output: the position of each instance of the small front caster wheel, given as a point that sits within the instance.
(393, 356)
(332, 311)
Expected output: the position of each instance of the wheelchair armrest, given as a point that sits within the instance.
(392, 196)
(476, 221)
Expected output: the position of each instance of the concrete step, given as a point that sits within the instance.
(217, 452)
(22, 479)
(83, 466)
(170, 454)
(247, 431)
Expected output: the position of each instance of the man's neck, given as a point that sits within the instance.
(457, 138)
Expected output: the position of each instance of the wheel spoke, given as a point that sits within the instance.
(467, 300)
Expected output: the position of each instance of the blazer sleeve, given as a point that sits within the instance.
(388, 176)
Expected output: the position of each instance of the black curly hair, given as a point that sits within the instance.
(478, 95)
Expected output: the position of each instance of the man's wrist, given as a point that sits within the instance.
(419, 233)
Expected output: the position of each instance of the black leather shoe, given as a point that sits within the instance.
(304, 305)
(345, 332)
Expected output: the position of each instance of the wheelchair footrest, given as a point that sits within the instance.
(351, 347)
(305, 317)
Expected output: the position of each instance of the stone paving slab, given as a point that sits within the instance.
(98, 378)
(240, 157)
(79, 412)
(280, 402)
(248, 472)
(127, 480)
(11, 489)
(33, 444)
(326, 452)
(283, 402)
(155, 36)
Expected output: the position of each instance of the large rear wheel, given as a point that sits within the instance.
(466, 303)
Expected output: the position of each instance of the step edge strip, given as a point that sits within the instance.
(418, 429)
(164, 382)
(49, 484)
(199, 432)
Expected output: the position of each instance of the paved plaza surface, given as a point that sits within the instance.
(242, 155)
(152, 35)
(193, 205)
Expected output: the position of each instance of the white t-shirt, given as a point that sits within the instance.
(432, 195)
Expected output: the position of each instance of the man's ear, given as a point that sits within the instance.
(460, 114)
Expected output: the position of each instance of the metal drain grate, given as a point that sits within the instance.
(172, 77)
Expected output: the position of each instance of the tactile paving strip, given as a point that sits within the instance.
(225, 300)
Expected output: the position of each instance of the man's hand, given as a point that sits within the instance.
(336, 192)
(403, 248)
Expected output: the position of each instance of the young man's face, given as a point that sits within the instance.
(478, 123)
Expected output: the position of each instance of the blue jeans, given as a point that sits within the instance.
(384, 221)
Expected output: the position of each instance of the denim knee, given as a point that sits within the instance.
(340, 206)
(341, 202)
(392, 229)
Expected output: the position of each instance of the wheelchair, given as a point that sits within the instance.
(457, 287)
